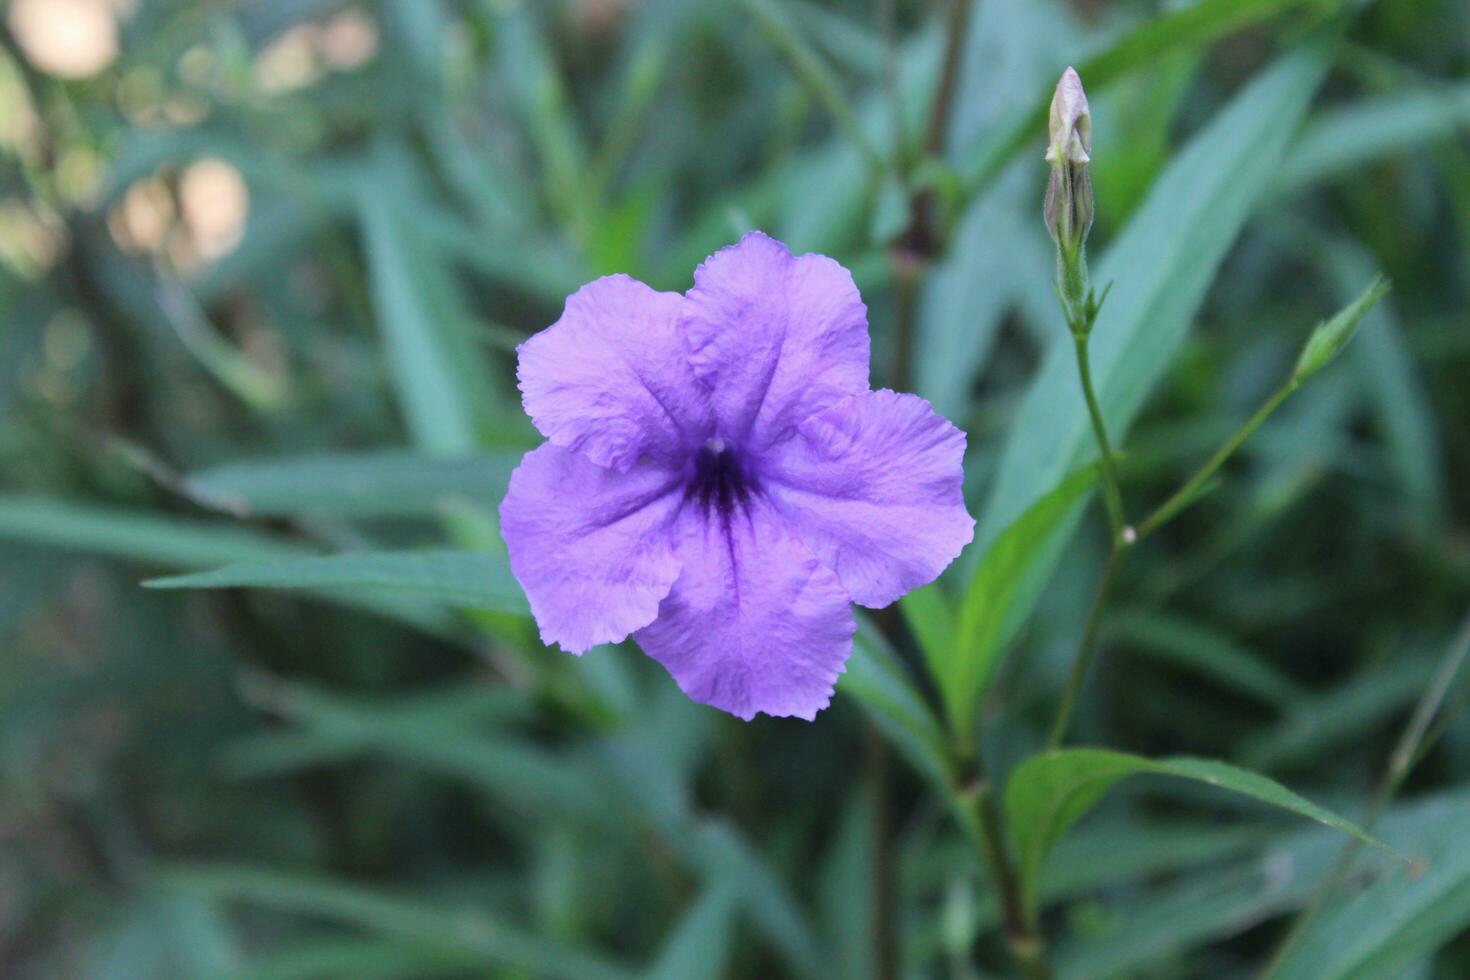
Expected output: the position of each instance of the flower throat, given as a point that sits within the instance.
(720, 482)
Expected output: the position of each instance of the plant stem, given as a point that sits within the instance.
(1112, 489)
(980, 818)
(893, 99)
(1085, 648)
(922, 241)
(885, 944)
(910, 256)
(956, 30)
(1404, 756)
(1080, 308)
(1191, 487)
(907, 277)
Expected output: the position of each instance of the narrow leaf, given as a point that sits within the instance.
(1181, 29)
(1199, 648)
(134, 535)
(700, 947)
(881, 684)
(812, 72)
(1377, 931)
(369, 484)
(1049, 792)
(449, 928)
(987, 611)
(470, 579)
(437, 409)
(1351, 136)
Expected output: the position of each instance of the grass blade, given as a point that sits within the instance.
(468, 579)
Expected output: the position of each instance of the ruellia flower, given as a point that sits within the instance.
(719, 482)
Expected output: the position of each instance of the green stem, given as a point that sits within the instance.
(978, 815)
(1405, 754)
(1112, 488)
(1080, 307)
(1187, 493)
(1083, 658)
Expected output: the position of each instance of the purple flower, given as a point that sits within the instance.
(719, 482)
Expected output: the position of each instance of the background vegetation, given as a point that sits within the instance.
(262, 268)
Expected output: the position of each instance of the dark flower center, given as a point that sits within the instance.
(720, 483)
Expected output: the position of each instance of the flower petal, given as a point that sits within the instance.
(755, 622)
(592, 547)
(873, 485)
(610, 379)
(776, 337)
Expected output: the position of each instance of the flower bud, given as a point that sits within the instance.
(1069, 210)
(1331, 336)
(1071, 122)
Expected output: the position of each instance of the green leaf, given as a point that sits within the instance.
(146, 935)
(1338, 717)
(531, 779)
(262, 390)
(469, 579)
(458, 711)
(334, 955)
(179, 543)
(1348, 137)
(1116, 853)
(1154, 923)
(528, 70)
(135, 536)
(645, 70)
(1331, 336)
(847, 38)
(699, 949)
(1377, 931)
(845, 888)
(370, 484)
(812, 72)
(988, 614)
(722, 853)
(1187, 27)
(996, 253)
(1049, 792)
(1208, 652)
(453, 929)
(431, 372)
(880, 683)
(931, 617)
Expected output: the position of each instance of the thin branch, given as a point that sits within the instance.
(1112, 488)
(1191, 488)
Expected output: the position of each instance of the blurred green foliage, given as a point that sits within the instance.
(262, 270)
